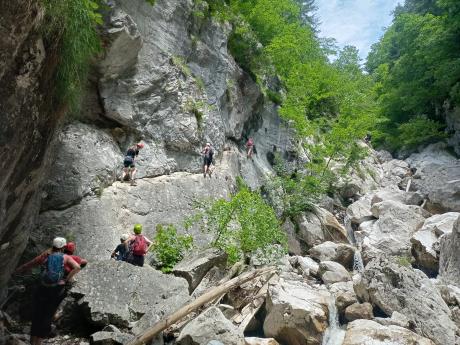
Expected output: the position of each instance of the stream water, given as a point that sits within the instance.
(334, 334)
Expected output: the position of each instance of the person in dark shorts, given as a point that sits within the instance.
(129, 168)
(121, 250)
(49, 293)
(208, 154)
(138, 246)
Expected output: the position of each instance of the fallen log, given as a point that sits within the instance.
(161, 325)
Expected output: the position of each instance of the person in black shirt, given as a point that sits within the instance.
(207, 153)
(121, 251)
(129, 168)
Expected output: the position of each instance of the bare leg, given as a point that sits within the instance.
(133, 173)
(123, 175)
(250, 152)
(205, 167)
(34, 340)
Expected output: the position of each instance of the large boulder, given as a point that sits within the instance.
(344, 295)
(407, 198)
(319, 226)
(425, 242)
(449, 260)
(359, 311)
(88, 160)
(330, 251)
(360, 211)
(260, 341)
(297, 313)
(194, 267)
(437, 177)
(391, 288)
(361, 332)
(332, 272)
(118, 293)
(210, 325)
(393, 229)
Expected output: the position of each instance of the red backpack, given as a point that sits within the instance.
(139, 245)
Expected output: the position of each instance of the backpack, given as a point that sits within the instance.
(54, 269)
(139, 246)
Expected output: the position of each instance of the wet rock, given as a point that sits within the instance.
(344, 295)
(359, 311)
(194, 267)
(391, 287)
(361, 332)
(117, 293)
(330, 251)
(449, 260)
(332, 272)
(297, 313)
(425, 242)
(437, 177)
(210, 325)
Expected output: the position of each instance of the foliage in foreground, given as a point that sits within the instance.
(242, 225)
(170, 247)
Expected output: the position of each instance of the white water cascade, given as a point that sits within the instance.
(334, 334)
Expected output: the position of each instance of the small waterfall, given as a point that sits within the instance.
(334, 334)
(350, 231)
(358, 265)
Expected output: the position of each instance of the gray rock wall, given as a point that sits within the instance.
(27, 125)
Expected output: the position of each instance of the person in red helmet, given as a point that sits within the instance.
(69, 249)
(129, 168)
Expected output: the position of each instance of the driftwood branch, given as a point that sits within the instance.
(161, 325)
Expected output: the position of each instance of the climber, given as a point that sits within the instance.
(129, 167)
(69, 249)
(51, 289)
(121, 250)
(138, 245)
(207, 153)
(250, 147)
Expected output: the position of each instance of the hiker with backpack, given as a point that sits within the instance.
(249, 148)
(51, 288)
(138, 246)
(208, 154)
(121, 251)
(69, 249)
(129, 168)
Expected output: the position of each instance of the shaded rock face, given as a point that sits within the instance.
(117, 293)
(27, 126)
(425, 242)
(437, 177)
(210, 325)
(297, 313)
(369, 332)
(410, 292)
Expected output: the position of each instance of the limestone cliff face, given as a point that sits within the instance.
(27, 125)
(167, 79)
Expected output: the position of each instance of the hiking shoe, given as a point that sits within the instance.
(133, 183)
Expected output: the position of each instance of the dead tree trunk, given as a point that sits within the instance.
(161, 325)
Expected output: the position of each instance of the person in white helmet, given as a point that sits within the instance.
(121, 251)
(51, 289)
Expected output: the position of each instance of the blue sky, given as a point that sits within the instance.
(355, 22)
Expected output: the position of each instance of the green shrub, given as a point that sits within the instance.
(70, 30)
(169, 247)
(181, 64)
(404, 261)
(195, 108)
(242, 224)
(419, 130)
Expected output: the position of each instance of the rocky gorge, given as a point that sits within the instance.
(379, 264)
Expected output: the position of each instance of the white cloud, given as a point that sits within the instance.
(355, 22)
